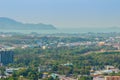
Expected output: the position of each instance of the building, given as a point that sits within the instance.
(6, 57)
(101, 43)
(99, 78)
(44, 68)
(9, 71)
(112, 77)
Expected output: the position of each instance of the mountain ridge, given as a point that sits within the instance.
(8, 23)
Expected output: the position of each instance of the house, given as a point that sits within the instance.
(112, 78)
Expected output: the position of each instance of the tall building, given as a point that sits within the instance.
(6, 57)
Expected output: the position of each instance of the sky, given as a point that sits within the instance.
(64, 13)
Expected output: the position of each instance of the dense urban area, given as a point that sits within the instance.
(61, 56)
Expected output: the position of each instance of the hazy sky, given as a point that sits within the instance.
(64, 13)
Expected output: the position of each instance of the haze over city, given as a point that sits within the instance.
(59, 39)
(64, 13)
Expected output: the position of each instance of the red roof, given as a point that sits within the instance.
(112, 78)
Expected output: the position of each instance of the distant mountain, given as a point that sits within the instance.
(7, 23)
(114, 27)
